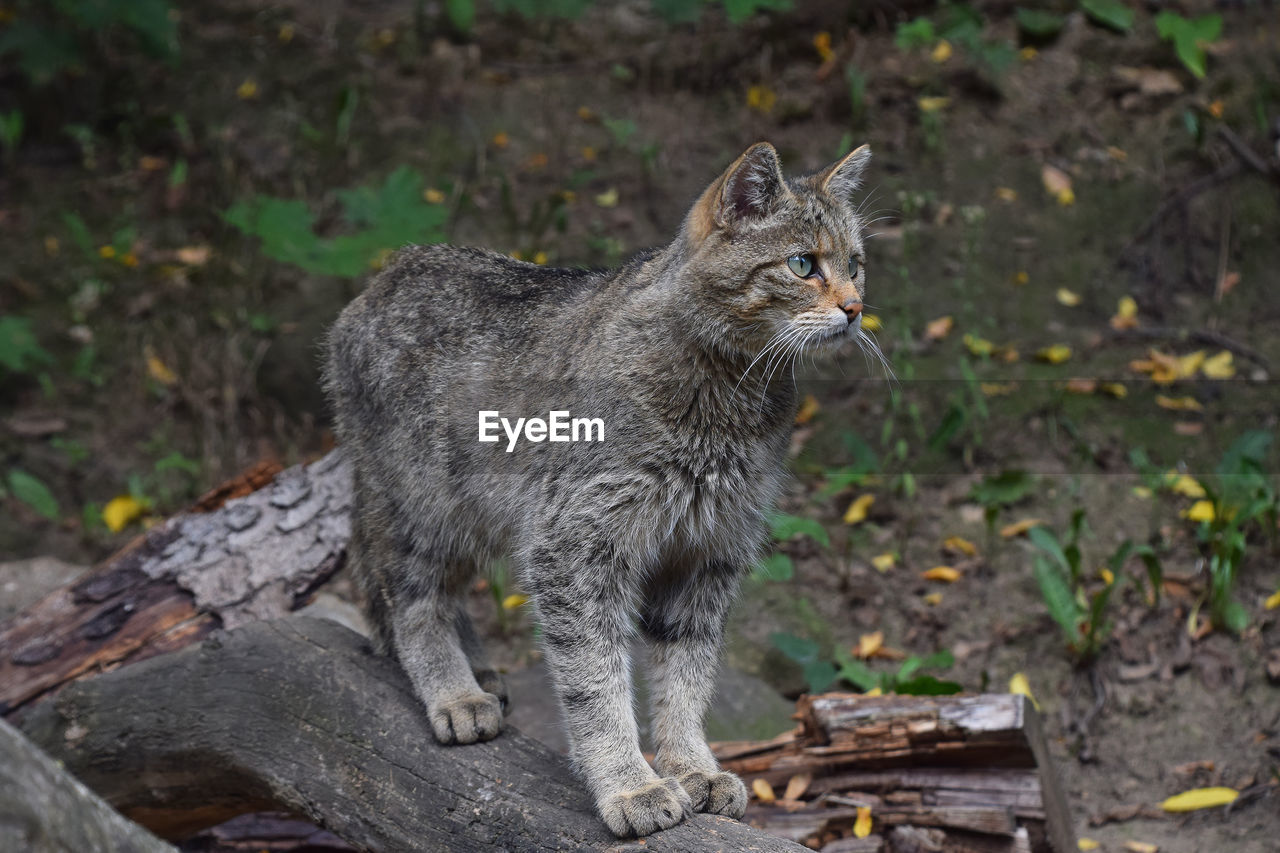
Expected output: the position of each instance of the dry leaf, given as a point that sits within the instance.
(1200, 511)
(1019, 527)
(1006, 194)
(875, 691)
(1179, 404)
(857, 510)
(1272, 602)
(1200, 798)
(1018, 684)
(932, 105)
(763, 791)
(431, 195)
(808, 409)
(869, 644)
(978, 346)
(1126, 316)
(1185, 484)
(1141, 847)
(883, 562)
(941, 53)
(862, 826)
(159, 371)
(1188, 428)
(1068, 298)
(939, 328)
(1219, 366)
(822, 43)
(761, 98)
(1227, 283)
(1108, 576)
(193, 256)
(943, 574)
(997, 389)
(1114, 389)
(1055, 354)
(247, 90)
(1082, 386)
(501, 139)
(1086, 844)
(1150, 81)
(1058, 183)
(933, 599)
(120, 511)
(511, 602)
(608, 198)
(959, 545)
(871, 322)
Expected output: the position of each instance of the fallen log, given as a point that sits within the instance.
(961, 773)
(298, 715)
(43, 809)
(254, 548)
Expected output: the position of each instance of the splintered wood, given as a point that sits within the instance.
(952, 774)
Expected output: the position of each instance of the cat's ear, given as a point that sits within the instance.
(842, 179)
(749, 189)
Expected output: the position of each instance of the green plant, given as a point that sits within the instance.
(821, 673)
(11, 126)
(1039, 23)
(50, 36)
(1241, 497)
(1189, 37)
(959, 24)
(1109, 13)
(19, 350)
(997, 491)
(1076, 603)
(783, 528)
(384, 218)
(857, 83)
(31, 491)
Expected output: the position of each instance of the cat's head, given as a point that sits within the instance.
(779, 264)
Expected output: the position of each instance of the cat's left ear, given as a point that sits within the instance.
(842, 179)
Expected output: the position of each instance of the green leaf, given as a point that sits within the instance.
(952, 422)
(1189, 37)
(1058, 598)
(775, 567)
(784, 527)
(820, 675)
(33, 493)
(19, 351)
(858, 674)
(1043, 538)
(1037, 22)
(1007, 487)
(739, 11)
(796, 648)
(927, 685)
(1234, 617)
(915, 34)
(1109, 13)
(462, 14)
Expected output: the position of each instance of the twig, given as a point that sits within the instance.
(1247, 154)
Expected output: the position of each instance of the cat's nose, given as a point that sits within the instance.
(852, 309)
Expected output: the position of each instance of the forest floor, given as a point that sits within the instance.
(1018, 199)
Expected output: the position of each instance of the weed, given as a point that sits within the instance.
(11, 127)
(820, 673)
(784, 528)
(998, 491)
(31, 491)
(1110, 13)
(1189, 37)
(20, 353)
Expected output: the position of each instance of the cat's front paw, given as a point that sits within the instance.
(719, 792)
(658, 805)
(466, 718)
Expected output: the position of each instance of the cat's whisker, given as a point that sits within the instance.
(772, 342)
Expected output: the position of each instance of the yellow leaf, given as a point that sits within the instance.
(1018, 684)
(1142, 492)
(193, 256)
(51, 245)
(1185, 484)
(500, 139)
(158, 370)
(869, 644)
(1219, 366)
(939, 328)
(822, 44)
(247, 90)
(514, 600)
(1021, 277)
(808, 409)
(107, 252)
(1114, 389)
(285, 33)
(997, 389)
(1273, 601)
(874, 691)
(932, 105)
(433, 196)
(933, 599)
(1057, 183)
(586, 114)
(1006, 194)
(761, 98)
(1108, 576)
(1068, 298)
(1215, 109)
(588, 154)
(862, 826)
(797, 785)
(151, 164)
(120, 511)
(129, 259)
(1117, 154)
(1055, 354)
(959, 545)
(763, 791)
(1086, 844)
(1019, 527)
(1179, 404)
(1200, 798)
(608, 198)
(1200, 511)
(1187, 365)
(940, 54)
(540, 258)
(871, 322)
(1081, 385)
(1141, 847)
(857, 510)
(944, 574)
(1126, 316)
(1028, 53)
(978, 346)
(883, 562)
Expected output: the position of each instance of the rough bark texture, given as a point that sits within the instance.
(962, 773)
(251, 549)
(297, 715)
(43, 809)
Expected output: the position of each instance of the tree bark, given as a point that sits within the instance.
(43, 809)
(298, 715)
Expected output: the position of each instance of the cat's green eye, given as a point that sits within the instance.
(854, 268)
(802, 265)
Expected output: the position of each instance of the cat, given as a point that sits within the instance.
(652, 527)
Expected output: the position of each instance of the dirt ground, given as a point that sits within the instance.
(581, 141)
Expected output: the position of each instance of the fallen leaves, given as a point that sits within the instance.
(513, 601)
(938, 329)
(763, 791)
(1126, 316)
(1019, 684)
(1068, 298)
(1200, 511)
(932, 105)
(1058, 184)
(1273, 601)
(761, 98)
(871, 322)
(1165, 368)
(1179, 404)
(808, 408)
(883, 562)
(941, 53)
(121, 511)
(942, 574)
(1200, 798)
(247, 91)
(797, 785)
(857, 511)
(979, 347)
(1055, 354)
(959, 545)
(1018, 528)
(1140, 847)
(862, 825)
(869, 644)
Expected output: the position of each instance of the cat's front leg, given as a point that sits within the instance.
(583, 589)
(685, 627)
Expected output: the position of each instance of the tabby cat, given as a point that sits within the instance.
(680, 354)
